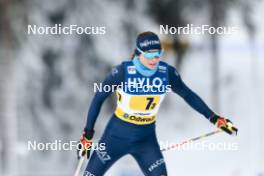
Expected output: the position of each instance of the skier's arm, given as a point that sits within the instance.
(114, 78)
(179, 87)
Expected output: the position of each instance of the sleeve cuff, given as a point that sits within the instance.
(89, 134)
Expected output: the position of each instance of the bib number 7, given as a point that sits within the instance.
(144, 103)
(151, 104)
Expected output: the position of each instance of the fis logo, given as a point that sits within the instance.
(131, 70)
(162, 69)
(140, 82)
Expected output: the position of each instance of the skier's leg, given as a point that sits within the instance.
(148, 155)
(102, 160)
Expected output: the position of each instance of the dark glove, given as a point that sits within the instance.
(85, 145)
(225, 124)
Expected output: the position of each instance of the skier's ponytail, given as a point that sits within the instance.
(133, 55)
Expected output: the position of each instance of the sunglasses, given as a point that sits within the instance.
(151, 55)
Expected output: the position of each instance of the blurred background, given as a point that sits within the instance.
(46, 81)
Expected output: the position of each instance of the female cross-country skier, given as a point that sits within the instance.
(142, 84)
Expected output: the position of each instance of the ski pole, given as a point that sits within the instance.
(191, 140)
(78, 169)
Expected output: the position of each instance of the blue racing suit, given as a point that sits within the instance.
(131, 129)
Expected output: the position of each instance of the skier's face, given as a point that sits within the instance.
(149, 63)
